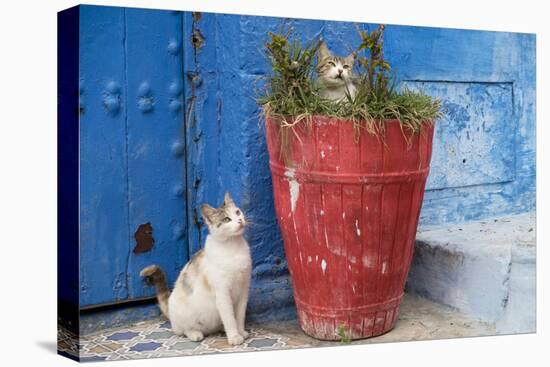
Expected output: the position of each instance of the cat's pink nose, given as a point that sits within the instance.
(340, 71)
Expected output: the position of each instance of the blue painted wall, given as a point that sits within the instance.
(484, 151)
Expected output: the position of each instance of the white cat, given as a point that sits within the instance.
(335, 75)
(212, 289)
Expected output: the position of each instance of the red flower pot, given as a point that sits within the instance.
(348, 212)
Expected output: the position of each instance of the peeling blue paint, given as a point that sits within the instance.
(474, 131)
(484, 152)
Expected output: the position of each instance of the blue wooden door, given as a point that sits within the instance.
(132, 150)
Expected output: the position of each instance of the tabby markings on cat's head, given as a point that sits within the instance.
(334, 71)
(225, 221)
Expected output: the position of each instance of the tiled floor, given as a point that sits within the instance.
(419, 319)
(155, 339)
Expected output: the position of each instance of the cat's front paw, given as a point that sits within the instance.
(235, 339)
(195, 336)
(244, 334)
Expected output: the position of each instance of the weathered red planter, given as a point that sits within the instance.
(348, 213)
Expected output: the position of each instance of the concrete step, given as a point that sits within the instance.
(485, 269)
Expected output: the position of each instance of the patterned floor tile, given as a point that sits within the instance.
(128, 335)
(420, 320)
(185, 345)
(263, 342)
(146, 347)
(99, 349)
(158, 335)
(155, 339)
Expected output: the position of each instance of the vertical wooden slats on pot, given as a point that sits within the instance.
(348, 212)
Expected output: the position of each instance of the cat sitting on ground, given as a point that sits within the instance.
(212, 289)
(335, 74)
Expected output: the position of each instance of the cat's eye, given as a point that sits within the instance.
(346, 66)
(238, 212)
(331, 63)
(226, 220)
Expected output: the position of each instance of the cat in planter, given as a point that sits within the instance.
(335, 75)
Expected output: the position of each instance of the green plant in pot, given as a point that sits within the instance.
(348, 181)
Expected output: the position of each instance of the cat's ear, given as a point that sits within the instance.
(207, 211)
(323, 51)
(227, 199)
(350, 59)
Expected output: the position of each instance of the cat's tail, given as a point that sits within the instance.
(155, 276)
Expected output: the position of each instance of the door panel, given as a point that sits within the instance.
(132, 149)
(104, 238)
(155, 142)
